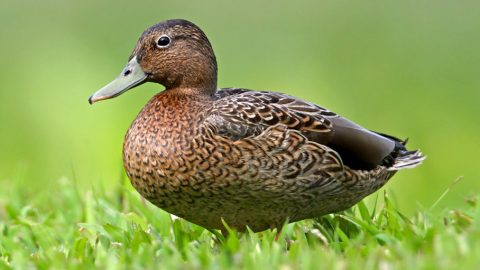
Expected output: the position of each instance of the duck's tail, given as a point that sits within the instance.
(407, 159)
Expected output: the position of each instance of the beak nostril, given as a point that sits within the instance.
(128, 71)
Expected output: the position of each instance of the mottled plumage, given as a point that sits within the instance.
(253, 158)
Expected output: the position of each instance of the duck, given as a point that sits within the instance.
(239, 157)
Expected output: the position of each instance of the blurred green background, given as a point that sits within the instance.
(406, 68)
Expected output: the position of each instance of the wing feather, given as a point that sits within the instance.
(240, 113)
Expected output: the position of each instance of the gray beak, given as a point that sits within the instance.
(131, 76)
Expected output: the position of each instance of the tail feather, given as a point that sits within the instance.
(407, 160)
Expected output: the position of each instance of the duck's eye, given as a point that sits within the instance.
(163, 41)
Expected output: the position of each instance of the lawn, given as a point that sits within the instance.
(116, 229)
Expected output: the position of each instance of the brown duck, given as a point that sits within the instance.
(252, 158)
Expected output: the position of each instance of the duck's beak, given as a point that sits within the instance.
(131, 76)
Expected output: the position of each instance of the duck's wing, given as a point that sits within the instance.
(240, 113)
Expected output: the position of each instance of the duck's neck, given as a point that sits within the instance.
(200, 76)
(191, 94)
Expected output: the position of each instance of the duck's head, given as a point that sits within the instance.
(174, 53)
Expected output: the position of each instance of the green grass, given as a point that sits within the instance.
(117, 229)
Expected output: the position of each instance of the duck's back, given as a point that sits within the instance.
(241, 113)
